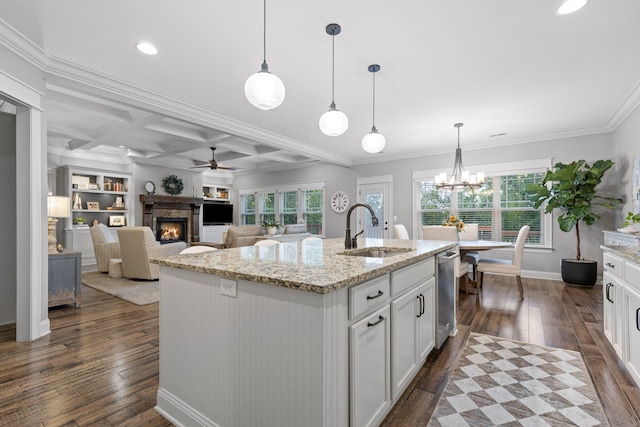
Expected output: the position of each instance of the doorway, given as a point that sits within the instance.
(376, 192)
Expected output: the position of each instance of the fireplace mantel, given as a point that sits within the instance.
(172, 207)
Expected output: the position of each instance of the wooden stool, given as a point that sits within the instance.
(115, 268)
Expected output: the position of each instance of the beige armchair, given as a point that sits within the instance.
(138, 245)
(105, 246)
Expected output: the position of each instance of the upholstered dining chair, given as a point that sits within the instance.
(138, 245)
(400, 232)
(470, 232)
(439, 232)
(266, 242)
(105, 246)
(502, 266)
(197, 249)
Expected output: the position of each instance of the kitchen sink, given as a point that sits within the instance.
(376, 252)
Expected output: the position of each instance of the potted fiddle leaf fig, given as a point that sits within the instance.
(571, 188)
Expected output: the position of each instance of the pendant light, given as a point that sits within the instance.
(373, 142)
(263, 89)
(459, 179)
(333, 122)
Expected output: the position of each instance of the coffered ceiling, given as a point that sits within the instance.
(511, 71)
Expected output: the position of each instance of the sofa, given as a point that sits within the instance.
(248, 235)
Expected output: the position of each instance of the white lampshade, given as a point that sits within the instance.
(373, 142)
(264, 90)
(333, 122)
(58, 206)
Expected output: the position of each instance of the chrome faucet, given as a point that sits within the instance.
(348, 243)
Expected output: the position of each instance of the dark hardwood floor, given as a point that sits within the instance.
(99, 366)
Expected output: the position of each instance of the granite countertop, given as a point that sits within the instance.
(314, 266)
(631, 253)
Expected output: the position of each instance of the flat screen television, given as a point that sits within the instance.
(217, 213)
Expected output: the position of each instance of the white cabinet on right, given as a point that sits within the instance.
(621, 292)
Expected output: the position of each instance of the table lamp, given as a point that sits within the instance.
(57, 207)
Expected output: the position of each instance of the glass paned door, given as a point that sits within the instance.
(376, 196)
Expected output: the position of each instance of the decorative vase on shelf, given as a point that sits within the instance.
(272, 231)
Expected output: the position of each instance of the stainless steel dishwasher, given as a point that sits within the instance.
(445, 310)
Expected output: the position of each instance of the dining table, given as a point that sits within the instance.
(480, 245)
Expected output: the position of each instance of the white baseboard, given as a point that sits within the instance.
(45, 327)
(179, 413)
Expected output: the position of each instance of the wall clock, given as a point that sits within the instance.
(150, 187)
(339, 201)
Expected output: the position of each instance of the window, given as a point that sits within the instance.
(289, 206)
(248, 209)
(267, 206)
(500, 208)
(312, 212)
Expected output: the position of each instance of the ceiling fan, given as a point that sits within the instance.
(213, 165)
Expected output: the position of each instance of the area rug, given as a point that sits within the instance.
(499, 382)
(139, 293)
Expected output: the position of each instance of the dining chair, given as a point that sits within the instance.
(440, 232)
(197, 249)
(503, 266)
(311, 238)
(400, 232)
(470, 232)
(266, 242)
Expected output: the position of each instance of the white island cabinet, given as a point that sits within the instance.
(295, 334)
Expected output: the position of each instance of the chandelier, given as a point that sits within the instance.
(459, 179)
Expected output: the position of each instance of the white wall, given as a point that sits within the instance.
(8, 217)
(626, 146)
(335, 177)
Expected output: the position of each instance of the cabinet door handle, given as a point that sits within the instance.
(380, 319)
(610, 265)
(609, 285)
(378, 295)
(420, 300)
(637, 323)
(422, 305)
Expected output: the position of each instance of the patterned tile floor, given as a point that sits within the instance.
(499, 382)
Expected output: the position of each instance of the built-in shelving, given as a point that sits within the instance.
(96, 195)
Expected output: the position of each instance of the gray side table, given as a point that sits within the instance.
(64, 278)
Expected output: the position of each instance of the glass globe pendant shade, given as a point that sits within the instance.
(333, 122)
(264, 90)
(373, 142)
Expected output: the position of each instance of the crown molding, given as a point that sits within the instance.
(498, 143)
(626, 107)
(61, 72)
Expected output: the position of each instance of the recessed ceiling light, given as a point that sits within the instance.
(570, 6)
(147, 48)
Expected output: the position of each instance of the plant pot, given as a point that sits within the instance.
(272, 230)
(582, 273)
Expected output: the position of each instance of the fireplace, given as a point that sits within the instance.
(174, 209)
(169, 230)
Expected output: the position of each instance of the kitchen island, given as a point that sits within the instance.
(297, 334)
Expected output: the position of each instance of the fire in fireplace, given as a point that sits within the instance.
(169, 230)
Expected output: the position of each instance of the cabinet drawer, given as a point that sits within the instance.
(410, 276)
(632, 275)
(613, 264)
(368, 296)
